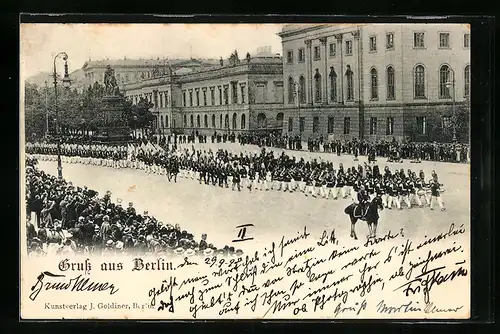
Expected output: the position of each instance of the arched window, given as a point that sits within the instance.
(234, 121)
(226, 122)
(162, 122)
(261, 121)
(198, 123)
(374, 84)
(391, 90)
(419, 82)
(185, 121)
(333, 85)
(220, 121)
(166, 121)
(213, 120)
(350, 84)
(467, 81)
(317, 85)
(444, 79)
(279, 119)
(291, 90)
(243, 121)
(205, 121)
(302, 89)
(192, 121)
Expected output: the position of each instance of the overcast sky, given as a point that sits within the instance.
(41, 42)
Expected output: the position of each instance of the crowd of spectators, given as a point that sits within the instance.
(433, 151)
(79, 220)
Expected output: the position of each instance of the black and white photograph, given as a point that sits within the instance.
(245, 171)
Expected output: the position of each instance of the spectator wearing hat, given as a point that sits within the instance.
(203, 242)
(46, 213)
(208, 252)
(131, 209)
(179, 251)
(66, 249)
(105, 229)
(119, 249)
(109, 249)
(36, 207)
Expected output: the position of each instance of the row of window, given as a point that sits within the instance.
(213, 121)
(347, 125)
(446, 84)
(299, 89)
(418, 42)
(222, 91)
(158, 98)
(389, 125)
(421, 123)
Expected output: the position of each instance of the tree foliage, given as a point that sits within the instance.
(139, 116)
(77, 111)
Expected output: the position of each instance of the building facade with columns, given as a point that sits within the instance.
(374, 81)
(243, 97)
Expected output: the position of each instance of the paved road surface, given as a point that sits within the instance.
(217, 211)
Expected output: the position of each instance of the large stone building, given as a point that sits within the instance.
(374, 81)
(240, 97)
(133, 70)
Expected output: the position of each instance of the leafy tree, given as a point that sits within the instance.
(138, 116)
(34, 112)
(462, 122)
(78, 111)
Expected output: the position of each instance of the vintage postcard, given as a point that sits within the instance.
(245, 171)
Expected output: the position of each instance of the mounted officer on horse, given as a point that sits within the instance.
(365, 210)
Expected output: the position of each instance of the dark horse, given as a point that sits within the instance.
(371, 216)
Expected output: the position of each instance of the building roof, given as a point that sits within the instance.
(292, 29)
(297, 26)
(267, 65)
(148, 62)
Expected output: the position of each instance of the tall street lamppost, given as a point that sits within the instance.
(46, 110)
(66, 82)
(451, 84)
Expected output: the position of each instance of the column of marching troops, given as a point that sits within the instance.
(393, 150)
(262, 172)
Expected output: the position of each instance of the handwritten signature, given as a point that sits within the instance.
(78, 284)
(428, 279)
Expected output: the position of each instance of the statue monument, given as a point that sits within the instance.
(110, 84)
(114, 127)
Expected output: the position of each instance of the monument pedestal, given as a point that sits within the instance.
(114, 129)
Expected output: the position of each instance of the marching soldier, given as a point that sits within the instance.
(420, 192)
(269, 179)
(436, 195)
(236, 177)
(405, 193)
